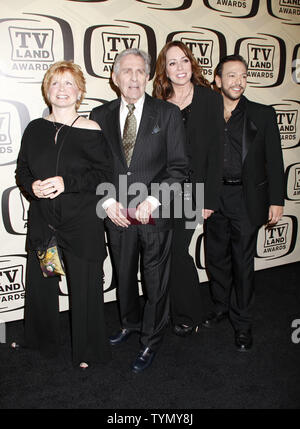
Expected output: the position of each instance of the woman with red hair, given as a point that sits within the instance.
(63, 158)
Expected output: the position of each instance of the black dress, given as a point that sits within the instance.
(203, 120)
(184, 284)
(82, 158)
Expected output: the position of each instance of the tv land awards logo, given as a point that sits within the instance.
(234, 8)
(266, 59)
(292, 175)
(261, 57)
(288, 123)
(14, 117)
(286, 10)
(102, 43)
(207, 46)
(34, 45)
(14, 211)
(31, 45)
(114, 42)
(279, 240)
(12, 289)
(202, 50)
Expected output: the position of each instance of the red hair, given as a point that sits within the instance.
(61, 67)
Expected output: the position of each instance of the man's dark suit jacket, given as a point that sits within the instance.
(159, 154)
(263, 171)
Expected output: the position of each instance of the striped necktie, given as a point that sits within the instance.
(129, 133)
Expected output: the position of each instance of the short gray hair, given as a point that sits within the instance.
(134, 51)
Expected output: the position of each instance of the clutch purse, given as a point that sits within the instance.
(130, 215)
(50, 258)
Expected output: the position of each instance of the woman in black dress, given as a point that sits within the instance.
(179, 80)
(63, 157)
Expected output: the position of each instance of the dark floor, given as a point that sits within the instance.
(203, 371)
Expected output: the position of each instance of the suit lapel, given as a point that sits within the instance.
(146, 126)
(114, 132)
(249, 131)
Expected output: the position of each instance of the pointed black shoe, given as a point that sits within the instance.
(214, 318)
(121, 336)
(184, 331)
(143, 360)
(243, 340)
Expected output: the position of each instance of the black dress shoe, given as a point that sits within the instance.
(182, 330)
(120, 336)
(214, 318)
(143, 360)
(243, 340)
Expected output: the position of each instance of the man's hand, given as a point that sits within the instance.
(144, 211)
(275, 214)
(113, 211)
(48, 188)
(206, 213)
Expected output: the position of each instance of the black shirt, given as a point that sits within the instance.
(233, 137)
(186, 113)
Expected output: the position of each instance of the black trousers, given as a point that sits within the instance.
(128, 247)
(230, 249)
(186, 303)
(41, 316)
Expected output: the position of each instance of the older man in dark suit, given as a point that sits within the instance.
(252, 195)
(148, 144)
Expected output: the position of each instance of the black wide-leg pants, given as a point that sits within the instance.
(153, 250)
(186, 303)
(85, 286)
(230, 249)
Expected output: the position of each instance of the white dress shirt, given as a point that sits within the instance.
(137, 113)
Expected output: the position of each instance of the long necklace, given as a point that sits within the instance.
(57, 128)
(184, 98)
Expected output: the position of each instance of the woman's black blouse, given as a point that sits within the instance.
(185, 114)
(84, 162)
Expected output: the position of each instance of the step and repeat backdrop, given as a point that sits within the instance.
(35, 34)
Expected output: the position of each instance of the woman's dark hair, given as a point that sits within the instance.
(162, 86)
